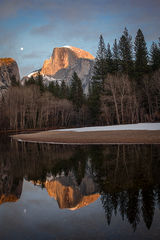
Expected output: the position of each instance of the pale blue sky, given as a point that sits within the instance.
(40, 25)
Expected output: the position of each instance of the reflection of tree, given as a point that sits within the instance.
(108, 206)
(123, 203)
(158, 195)
(10, 183)
(123, 176)
(133, 208)
(129, 203)
(115, 202)
(148, 206)
(79, 166)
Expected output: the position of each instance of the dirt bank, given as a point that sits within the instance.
(93, 137)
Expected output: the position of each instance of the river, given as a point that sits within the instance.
(79, 192)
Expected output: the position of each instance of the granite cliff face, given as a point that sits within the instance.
(8, 72)
(63, 58)
(67, 60)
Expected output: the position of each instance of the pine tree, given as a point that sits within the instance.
(39, 82)
(99, 75)
(100, 66)
(115, 56)
(94, 103)
(30, 81)
(141, 58)
(155, 56)
(51, 88)
(109, 61)
(57, 90)
(125, 50)
(76, 92)
(63, 90)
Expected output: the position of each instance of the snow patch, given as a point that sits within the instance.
(138, 126)
(67, 46)
(48, 79)
(30, 75)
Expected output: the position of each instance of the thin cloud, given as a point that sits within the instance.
(35, 54)
(44, 29)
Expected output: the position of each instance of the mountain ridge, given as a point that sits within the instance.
(63, 62)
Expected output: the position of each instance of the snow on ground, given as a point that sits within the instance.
(138, 126)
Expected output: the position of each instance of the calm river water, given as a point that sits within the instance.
(79, 192)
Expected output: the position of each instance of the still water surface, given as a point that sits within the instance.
(79, 192)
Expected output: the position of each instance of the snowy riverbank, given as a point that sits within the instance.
(138, 126)
(142, 133)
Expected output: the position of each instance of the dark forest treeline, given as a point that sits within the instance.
(126, 81)
(36, 106)
(125, 88)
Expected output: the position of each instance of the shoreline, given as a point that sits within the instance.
(92, 137)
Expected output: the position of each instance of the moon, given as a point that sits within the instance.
(22, 48)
